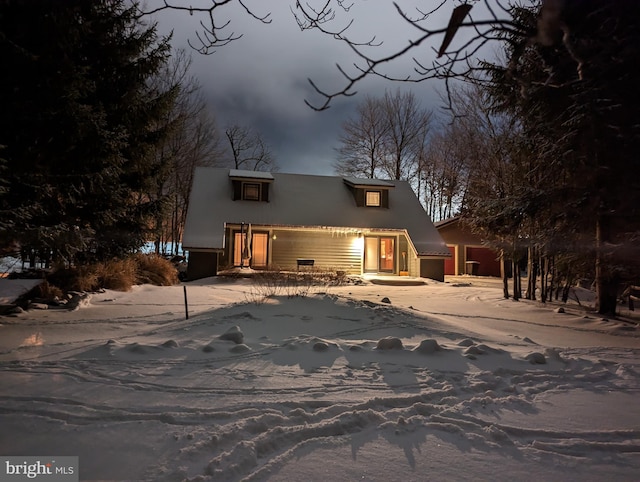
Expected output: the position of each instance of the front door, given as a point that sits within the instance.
(259, 244)
(379, 254)
(254, 254)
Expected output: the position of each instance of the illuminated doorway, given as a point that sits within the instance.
(259, 245)
(257, 250)
(379, 254)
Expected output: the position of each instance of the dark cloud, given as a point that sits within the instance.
(260, 80)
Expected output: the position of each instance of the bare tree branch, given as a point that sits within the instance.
(248, 149)
(455, 63)
(212, 34)
(458, 56)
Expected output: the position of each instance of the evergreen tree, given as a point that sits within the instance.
(79, 124)
(576, 96)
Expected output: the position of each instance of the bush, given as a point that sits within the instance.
(47, 291)
(273, 282)
(81, 278)
(116, 274)
(156, 270)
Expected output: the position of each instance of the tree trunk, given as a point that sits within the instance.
(544, 271)
(517, 290)
(607, 283)
(532, 272)
(505, 277)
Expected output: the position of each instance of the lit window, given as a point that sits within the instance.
(373, 198)
(251, 191)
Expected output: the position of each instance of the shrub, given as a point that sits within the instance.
(156, 270)
(266, 284)
(81, 278)
(48, 291)
(116, 274)
(273, 282)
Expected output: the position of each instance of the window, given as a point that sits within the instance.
(372, 198)
(251, 191)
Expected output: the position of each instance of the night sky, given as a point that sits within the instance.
(260, 80)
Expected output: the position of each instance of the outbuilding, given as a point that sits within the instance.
(469, 255)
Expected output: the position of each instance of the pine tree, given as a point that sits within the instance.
(577, 98)
(79, 124)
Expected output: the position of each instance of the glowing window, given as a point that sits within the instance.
(372, 198)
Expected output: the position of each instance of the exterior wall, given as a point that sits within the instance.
(489, 264)
(202, 264)
(432, 268)
(414, 266)
(403, 262)
(466, 246)
(450, 263)
(333, 250)
(226, 258)
(457, 265)
(452, 234)
(329, 250)
(456, 240)
(412, 259)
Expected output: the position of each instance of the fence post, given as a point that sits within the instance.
(186, 305)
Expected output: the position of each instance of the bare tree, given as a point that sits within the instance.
(199, 145)
(407, 130)
(193, 141)
(444, 173)
(386, 139)
(362, 149)
(248, 150)
(481, 151)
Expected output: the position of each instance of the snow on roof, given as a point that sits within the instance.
(302, 201)
(241, 173)
(358, 182)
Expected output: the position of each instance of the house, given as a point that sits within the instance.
(468, 253)
(261, 219)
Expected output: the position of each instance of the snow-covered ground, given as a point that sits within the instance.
(140, 393)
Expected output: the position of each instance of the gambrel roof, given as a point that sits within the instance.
(303, 201)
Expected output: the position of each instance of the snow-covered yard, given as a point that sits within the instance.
(302, 391)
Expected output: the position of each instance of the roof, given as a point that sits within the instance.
(244, 174)
(357, 182)
(446, 222)
(301, 200)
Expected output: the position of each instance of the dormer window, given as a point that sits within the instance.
(372, 198)
(251, 191)
(250, 185)
(370, 192)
